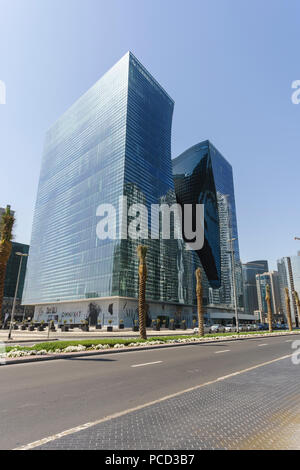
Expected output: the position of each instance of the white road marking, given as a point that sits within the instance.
(263, 344)
(224, 350)
(54, 437)
(146, 364)
(289, 340)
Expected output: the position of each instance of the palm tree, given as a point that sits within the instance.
(142, 252)
(268, 300)
(199, 301)
(288, 308)
(298, 305)
(6, 226)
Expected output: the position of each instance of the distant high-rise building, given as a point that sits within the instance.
(11, 276)
(203, 176)
(272, 279)
(250, 270)
(289, 276)
(12, 270)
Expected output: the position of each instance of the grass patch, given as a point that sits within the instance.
(53, 345)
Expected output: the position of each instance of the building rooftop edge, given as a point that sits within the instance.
(203, 142)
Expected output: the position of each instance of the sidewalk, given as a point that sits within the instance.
(32, 336)
(255, 409)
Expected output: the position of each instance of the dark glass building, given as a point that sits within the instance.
(202, 175)
(115, 141)
(10, 282)
(12, 270)
(250, 270)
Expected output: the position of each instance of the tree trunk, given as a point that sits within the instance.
(298, 306)
(142, 251)
(268, 299)
(199, 302)
(288, 308)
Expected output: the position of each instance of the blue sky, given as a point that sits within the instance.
(228, 64)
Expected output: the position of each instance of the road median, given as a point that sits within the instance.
(73, 349)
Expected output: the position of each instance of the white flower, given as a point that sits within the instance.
(41, 352)
(77, 348)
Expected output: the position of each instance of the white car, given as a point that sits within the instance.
(229, 328)
(217, 329)
(243, 327)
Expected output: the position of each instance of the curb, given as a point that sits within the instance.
(12, 342)
(25, 360)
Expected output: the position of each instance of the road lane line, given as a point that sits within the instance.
(263, 344)
(146, 364)
(224, 350)
(67, 432)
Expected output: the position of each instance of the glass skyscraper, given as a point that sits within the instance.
(202, 175)
(250, 270)
(114, 141)
(272, 279)
(289, 276)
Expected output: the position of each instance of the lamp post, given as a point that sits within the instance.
(199, 302)
(16, 292)
(231, 240)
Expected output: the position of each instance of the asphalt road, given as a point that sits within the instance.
(41, 399)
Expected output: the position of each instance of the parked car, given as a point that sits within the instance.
(230, 328)
(242, 327)
(263, 326)
(217, 328)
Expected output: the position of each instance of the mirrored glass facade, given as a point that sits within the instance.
(114, 141)
(202, 175)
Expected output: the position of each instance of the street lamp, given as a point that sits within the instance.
(16, 292)
(231, 240)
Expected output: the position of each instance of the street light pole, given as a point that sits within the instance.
(231, 240)
(16, 292)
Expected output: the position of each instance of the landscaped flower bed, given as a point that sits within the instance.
(64, 347)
